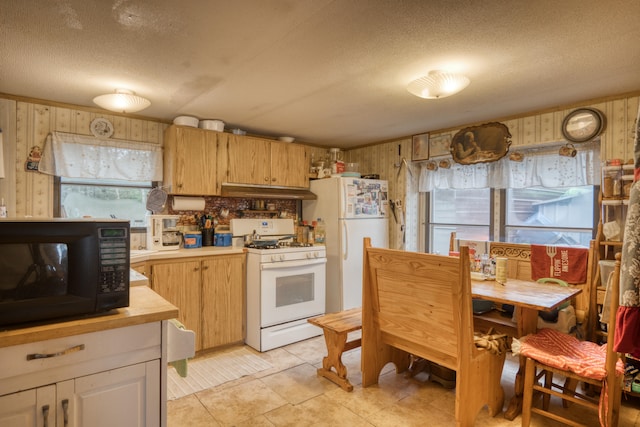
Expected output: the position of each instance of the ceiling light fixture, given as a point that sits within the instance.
(122, 101)
(438, 84)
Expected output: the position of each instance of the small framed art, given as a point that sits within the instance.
(420, 147)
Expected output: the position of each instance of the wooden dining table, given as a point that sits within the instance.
(527, 297)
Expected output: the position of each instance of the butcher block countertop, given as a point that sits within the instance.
(145, 306)
(151, 255)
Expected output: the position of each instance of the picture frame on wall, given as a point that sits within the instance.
(479, 144)
(439, 145)
(420, 146)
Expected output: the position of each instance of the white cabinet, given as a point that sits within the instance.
(28, 408)
(100, 379)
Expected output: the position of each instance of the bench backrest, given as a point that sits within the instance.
(420, 303)
(519, 255)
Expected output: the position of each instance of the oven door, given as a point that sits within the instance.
(292, 290)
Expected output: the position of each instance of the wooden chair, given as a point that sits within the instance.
(417, 303)
(545, 351)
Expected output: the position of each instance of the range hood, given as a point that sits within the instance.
(266, 192)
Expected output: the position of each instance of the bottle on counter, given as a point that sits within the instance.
(311, 235)
(320, 232)
(301, 233)
(3, 209)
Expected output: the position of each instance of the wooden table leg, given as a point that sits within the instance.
(527, 320)
(336, 345)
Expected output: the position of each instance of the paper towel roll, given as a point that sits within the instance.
(181, 203)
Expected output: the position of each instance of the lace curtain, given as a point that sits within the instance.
(80, 156)
(540, 167)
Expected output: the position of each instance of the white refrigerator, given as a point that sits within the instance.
(352, 209)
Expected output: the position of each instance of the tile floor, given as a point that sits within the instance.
(290, 394)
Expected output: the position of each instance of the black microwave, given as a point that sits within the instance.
(55, 268)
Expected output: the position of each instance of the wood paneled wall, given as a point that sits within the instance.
(33, 122)
(27, 124)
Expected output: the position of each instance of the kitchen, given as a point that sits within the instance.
(26, 120)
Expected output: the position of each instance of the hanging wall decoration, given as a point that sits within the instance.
(478, 144)
(420, 147)
(33, 159)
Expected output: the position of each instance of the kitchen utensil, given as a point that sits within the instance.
(156, 200)
(186, 121)
(261, 243)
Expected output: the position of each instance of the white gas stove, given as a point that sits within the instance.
(285, 284)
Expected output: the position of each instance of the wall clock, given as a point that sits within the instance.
(583, 125)
(101, 128)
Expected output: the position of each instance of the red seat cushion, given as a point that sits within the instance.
(566, 352)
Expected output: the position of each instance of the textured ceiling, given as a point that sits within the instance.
(326, 72)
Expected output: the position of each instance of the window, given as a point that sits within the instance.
(468, 212)
(104, 199)
(550, 216)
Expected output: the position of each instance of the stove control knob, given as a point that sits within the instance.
(274, 258)
(281, 257)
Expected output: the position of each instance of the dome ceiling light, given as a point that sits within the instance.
(122, 101)
(438, 84)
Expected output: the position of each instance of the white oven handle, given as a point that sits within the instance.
(292, 264)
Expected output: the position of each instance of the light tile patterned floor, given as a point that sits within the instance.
(290, 394)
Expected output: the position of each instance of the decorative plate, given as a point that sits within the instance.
(101, 128)
(583, 125)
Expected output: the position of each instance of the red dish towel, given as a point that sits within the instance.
(568, 264)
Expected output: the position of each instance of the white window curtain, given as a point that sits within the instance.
(539, 167)
(80, 156)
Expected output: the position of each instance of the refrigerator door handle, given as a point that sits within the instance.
(345, 241)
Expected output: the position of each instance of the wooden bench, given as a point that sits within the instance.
(336, 327)
(420, 304)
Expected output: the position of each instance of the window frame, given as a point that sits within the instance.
(429, 220)
(57, 193)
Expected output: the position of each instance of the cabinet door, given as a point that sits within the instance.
(288, 165)
(222, 300)
(29, 408)
(248, 160)
(124, 397)
(190, 161)
(179, 283)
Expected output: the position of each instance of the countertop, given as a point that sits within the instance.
(145, 306)
(150, 255)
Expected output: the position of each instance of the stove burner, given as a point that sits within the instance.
(295, 244)
(279, 245)
(254, 246)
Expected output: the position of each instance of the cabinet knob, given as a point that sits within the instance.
(266, 179)
(273, 179)
(205, 267)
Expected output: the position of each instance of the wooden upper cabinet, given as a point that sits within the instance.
(190, 156)
(248, 160)
(288, 165)
(257, 161)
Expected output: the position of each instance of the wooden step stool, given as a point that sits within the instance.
(336, 327)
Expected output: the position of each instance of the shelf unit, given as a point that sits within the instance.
(614, 202)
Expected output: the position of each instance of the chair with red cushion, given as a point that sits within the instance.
(550, 352)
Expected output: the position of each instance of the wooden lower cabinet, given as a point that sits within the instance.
(209, 292)
(222, 300)
(179, 283)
